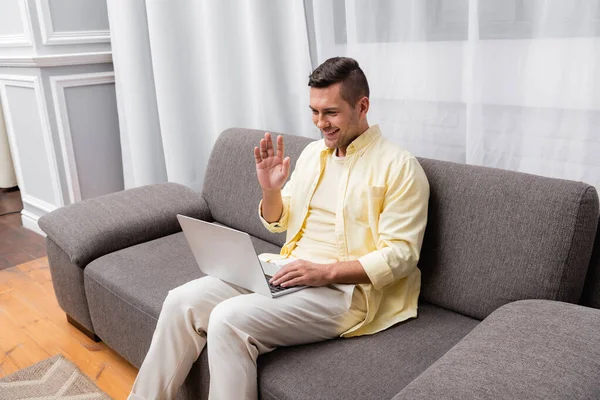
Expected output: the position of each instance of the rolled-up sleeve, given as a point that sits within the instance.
(281, 224)
(401, 226)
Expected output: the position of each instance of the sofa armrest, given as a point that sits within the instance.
(95, 227)
(529, 349)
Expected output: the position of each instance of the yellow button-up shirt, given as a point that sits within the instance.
(381, 214)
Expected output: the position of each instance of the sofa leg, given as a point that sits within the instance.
(83, 329)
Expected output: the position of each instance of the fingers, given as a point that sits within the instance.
(269, 143)
(299, 272)
(257, 155)
(286, 277)
(289, 267)
(263, 149)
(295, 282)
(280, 146)
(286, 166)
(278, 275)
(266, 148)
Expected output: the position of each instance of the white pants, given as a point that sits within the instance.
(238, 325)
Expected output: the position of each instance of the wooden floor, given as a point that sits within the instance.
(34, 328)
(17, 244)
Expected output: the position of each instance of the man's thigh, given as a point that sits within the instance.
(306, 316)
(200, 295)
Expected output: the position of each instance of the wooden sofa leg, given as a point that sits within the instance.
(83, 329)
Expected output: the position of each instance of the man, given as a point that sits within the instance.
(355, 211)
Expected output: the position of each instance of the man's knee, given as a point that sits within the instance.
(187, 296)
(229, 316)
(238, 320)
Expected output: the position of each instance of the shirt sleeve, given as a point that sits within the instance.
(282, 223)
(402, 225)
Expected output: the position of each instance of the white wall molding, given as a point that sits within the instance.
(38, 204)
(19, 39)
(57, 60)
(58, 84)
(31, 82)
(52, 38)
(15, 40)
(78, 37)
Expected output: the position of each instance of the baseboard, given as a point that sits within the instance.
(30, 221)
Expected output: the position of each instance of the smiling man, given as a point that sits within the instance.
(355, 210)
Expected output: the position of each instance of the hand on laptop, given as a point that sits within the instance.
(271, 168)
(302, 272)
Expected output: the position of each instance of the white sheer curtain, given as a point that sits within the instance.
(512, 84)
(187, 70)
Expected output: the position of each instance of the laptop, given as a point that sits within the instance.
(229, 255)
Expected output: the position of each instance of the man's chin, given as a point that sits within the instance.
(332, 144)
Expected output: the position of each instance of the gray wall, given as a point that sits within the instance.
(57, 92)
(10, 19)
(92, 115)
(28, 129)
(78, 15)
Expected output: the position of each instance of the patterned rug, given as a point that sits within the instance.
(54, 378)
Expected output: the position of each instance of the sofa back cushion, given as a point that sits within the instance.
(492, 237)
(591, 290)
(496, 236)
(231, 188)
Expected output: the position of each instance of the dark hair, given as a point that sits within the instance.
(345, 70)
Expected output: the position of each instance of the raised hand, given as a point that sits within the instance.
(272, 169)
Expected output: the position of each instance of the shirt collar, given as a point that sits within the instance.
(360, 143)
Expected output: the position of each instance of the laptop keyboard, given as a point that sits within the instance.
(276, 288)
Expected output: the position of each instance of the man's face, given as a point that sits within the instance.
(338, 121)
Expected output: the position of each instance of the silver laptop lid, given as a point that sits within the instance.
(225, 253)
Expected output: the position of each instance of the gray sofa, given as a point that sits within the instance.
(508, 305)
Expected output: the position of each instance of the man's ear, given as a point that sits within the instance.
(363, 105)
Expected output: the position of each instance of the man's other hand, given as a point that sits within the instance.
(302, 272)
(272, 169)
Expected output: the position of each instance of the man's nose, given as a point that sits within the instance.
(321, 123)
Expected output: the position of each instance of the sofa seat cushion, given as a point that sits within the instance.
(531, 349)
(367, 367)
(126, 290)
